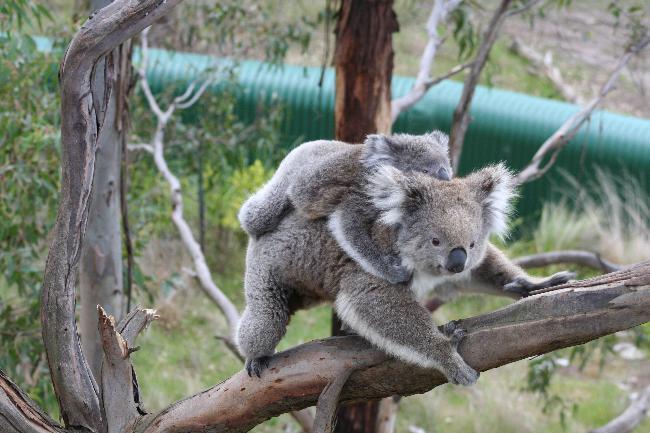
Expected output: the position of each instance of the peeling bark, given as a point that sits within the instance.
(81, 120)
(364, 66)
(19, 414)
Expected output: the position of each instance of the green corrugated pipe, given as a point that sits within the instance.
(506, 126)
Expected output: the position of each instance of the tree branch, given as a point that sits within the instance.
(119, 394)
(461, 118)
(439, 13)
(578, 312)
(187, 99)
(556, 142)
(81, 121)
(576, 257)
(19, 414)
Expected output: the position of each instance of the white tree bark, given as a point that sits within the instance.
(439, 13)
(100, 268)
(560, 138)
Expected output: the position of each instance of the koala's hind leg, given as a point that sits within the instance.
(392, 320)
(263, 323)
(262, 212)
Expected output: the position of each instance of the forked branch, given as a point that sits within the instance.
(423, 82)
(574, 314)
(81, 119)
(556, 142)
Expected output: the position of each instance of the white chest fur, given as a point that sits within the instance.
(424, 283)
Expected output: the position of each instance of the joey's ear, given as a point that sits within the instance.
(379, 150)
(387, 188)
(440, 138)
(495, 190)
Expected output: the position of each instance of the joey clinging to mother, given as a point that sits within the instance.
(327, 179)
(300, 263)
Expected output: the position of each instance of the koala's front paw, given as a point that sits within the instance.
(523, 286)
(395, 272)
(454, 332)
(462, 374)
(257, 365)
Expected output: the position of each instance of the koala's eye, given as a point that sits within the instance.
(435, 241)
(471, 245)
(425, 171)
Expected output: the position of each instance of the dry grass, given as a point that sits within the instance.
(610, 216)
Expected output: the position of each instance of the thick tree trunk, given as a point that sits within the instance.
(364, 66)
(100, 270)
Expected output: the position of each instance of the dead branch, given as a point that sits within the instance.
(19, 414)
(556, 142)
(461, 118)
(118, 383)
(81, 120)
(544, 63)
(631, 417)
(439, 13)
(186, 100)
(576, 313)
(576, 257)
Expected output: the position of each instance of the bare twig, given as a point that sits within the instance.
(461, 118)
(544, 62)
(186, 100)
(556, 142)
(203, 273)
(439, 13)
(577, 257)
(140, 146)
(631, 417)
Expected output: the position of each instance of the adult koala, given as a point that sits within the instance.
(439, 228)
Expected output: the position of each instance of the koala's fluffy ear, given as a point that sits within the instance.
(387, 188)
(441, 138)
(495, 190)
(379, 150)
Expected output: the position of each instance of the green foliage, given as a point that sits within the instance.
(238, 188)
(15, 14)
(29, 174)
(464, 33)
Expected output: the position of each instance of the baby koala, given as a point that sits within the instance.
(326, 179)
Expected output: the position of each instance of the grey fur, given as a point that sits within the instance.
(300, 264)
(326, 178)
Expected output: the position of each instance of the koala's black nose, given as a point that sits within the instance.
(456, 260)
(443, 174)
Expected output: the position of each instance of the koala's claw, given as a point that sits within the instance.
(257, 365)
(463, 375)
(523, 286)
(457, 336)
(396, 273)
(454, 332)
